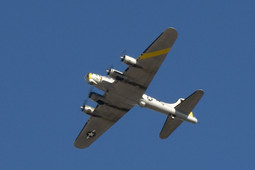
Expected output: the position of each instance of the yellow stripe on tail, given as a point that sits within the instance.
(191, 114)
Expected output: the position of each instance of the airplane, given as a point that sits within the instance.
(124, 90)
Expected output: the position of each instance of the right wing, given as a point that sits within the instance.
(151, 59)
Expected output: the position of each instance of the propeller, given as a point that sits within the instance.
(86, 99)
(122, 55)
(108, 69)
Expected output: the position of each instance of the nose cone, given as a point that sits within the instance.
(92, 79)
(88, 78)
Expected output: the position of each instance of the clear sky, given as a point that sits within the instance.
(46, 48)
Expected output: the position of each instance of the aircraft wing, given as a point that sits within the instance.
(151, 59)
(118, 101)
(105, 117)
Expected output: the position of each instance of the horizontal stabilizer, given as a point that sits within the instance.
(185, 107)
(169, 126)
(190, 102)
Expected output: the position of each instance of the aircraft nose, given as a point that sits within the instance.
(88, 77)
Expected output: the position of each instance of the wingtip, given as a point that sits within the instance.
(162, 136)
(171, 29)
(79, 146)
(200, 91)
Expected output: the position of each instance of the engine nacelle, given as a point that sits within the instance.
(87, 109)
(96, 98)
(129, 60)
(113, 73)
(116, 74)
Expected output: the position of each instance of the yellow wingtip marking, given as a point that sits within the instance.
(154, 54)
(191, 114)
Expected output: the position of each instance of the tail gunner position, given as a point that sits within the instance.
(124, 90)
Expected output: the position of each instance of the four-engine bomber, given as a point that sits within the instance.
(106, 83)
(124, 90)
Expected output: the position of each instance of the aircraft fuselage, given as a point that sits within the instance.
(106, 83)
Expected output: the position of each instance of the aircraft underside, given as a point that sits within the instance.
(124, 90)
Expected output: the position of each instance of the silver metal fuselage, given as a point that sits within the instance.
(165, 108)
(106, 83)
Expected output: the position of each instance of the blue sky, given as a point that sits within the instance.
(47, 47)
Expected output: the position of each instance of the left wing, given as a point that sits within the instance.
(94, 128)
(105, 117)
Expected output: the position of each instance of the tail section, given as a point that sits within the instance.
(190, 102)
(169, 126)
(185, 107)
